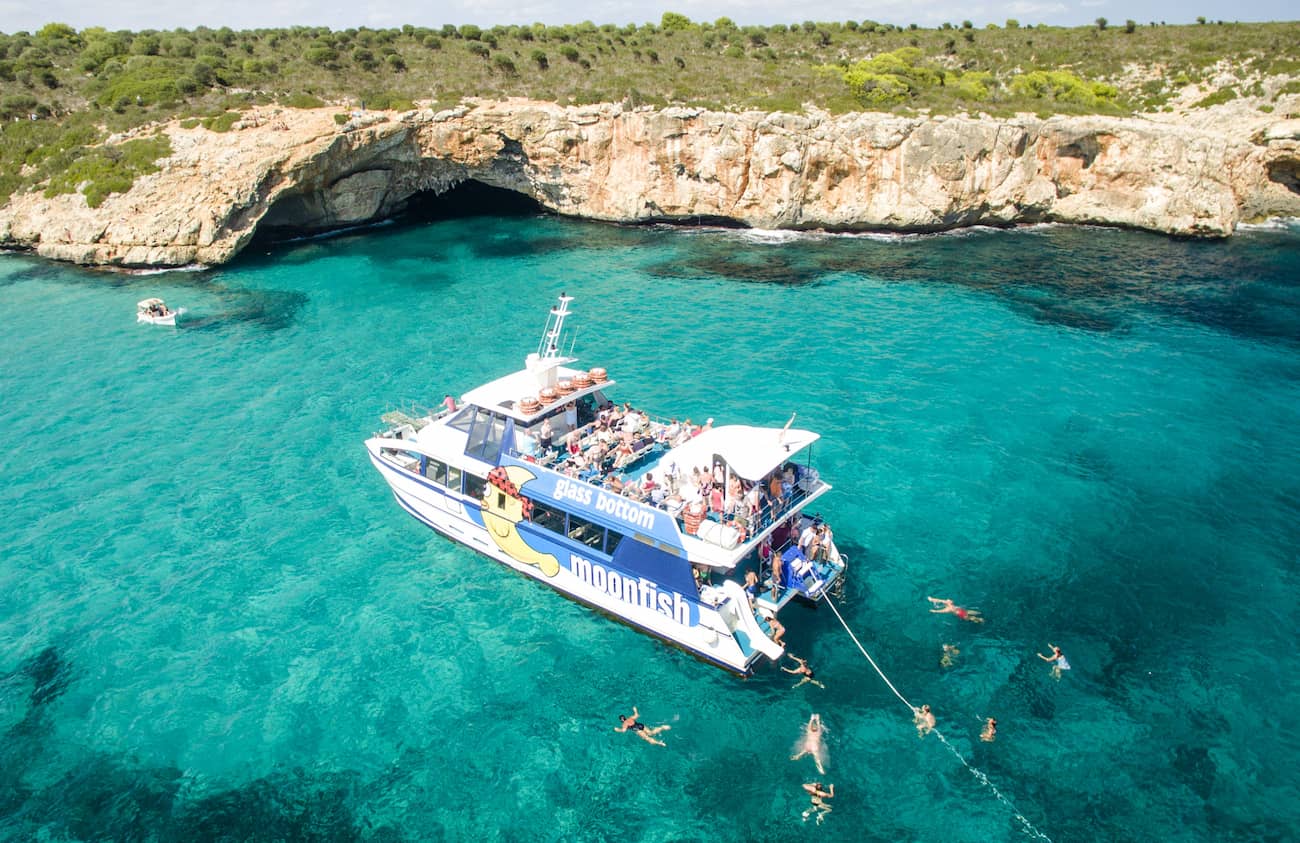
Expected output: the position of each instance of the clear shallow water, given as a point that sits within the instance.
(216, 624)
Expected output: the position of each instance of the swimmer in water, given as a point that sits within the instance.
(1057, 658)
(947, 607)
(630, 724)
(924, 721)
(949, 657)
(990, 730)
(819, 796)
(810, 743)
(804, 670)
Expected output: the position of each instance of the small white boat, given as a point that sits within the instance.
(156, 312)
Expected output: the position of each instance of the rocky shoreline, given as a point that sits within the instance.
(300, 170)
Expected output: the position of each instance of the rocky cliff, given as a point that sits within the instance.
(299, 170)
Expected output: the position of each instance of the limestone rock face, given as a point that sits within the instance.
(807, 171)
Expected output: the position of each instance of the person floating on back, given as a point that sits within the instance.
(990, 730)
(947, 607)
(949, 657)
(1057, 659)
(810, 743)
(630, 724)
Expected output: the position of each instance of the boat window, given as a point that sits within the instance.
(474, 486)
(453, 478)
(611, 541)
(486, 436)
(463, 419)
(580, 529)
(548, 518)
(436, 471)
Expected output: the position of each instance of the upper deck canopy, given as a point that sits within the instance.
(751, 452)
(504, 393)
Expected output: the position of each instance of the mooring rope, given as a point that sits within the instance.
(979, 775)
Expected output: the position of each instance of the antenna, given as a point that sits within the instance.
(780, 439)
(549, 346)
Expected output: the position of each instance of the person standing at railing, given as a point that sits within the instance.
(546, 436)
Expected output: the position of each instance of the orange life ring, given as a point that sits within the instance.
(582, 380)
(529, 405)
(693, 516)
(564, 386)
(548, 395)
(599, 375)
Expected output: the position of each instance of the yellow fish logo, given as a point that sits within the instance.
(504, 508)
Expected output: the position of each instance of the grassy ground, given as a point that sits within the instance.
(81, 85)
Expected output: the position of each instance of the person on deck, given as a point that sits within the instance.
(777, 574)
(449, 403)
(778, 630)
(546, 436)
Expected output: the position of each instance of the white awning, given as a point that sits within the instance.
(751, 452)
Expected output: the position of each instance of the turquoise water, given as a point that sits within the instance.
(215, 622)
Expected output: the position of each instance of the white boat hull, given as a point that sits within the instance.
(169, 319)
(703, 633)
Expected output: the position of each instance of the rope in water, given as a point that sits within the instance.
(977, 773)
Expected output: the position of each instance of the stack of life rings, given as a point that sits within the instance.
(549, 395)
(581, 380)
(693, 516)
(599, 375)
(564, 386)
(529, 405)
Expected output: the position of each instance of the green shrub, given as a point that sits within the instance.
(1219, 97)
(341, 119)
(221, 122)
(104, 170)
(301, 100)
(1062, 86)
(190, 123)
(145, 80)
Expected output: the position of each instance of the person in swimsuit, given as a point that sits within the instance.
(946, 606)
(778, 629)
(810, 743)
(1057, 658)
(990, 730)
(924, 721)
(751, 587)
(949, 657)
(802, 670)
(647, 734)
(819, 796)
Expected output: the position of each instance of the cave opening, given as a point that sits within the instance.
(469, 199)
(295, 217)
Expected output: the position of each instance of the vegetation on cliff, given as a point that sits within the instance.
(63, 89)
